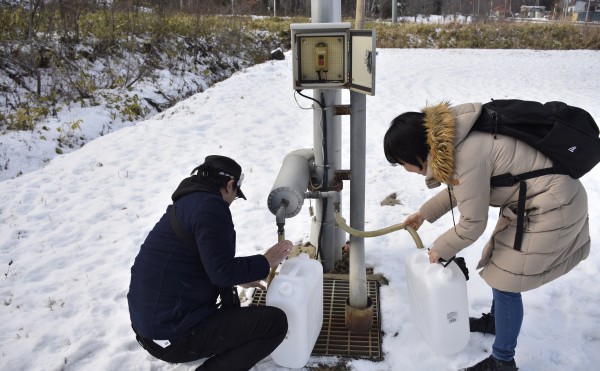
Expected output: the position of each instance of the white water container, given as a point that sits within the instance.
(298, 291)
(438, 302)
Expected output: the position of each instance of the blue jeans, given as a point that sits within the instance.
(507, 309)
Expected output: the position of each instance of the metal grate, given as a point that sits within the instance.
(334, 338)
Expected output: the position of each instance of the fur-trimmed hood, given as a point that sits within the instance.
(446, 128)
(556, 238)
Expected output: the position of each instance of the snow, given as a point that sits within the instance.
(69, 231)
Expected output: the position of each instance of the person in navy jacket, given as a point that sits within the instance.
(178, 277)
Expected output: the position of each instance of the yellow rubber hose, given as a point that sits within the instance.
(355, 232)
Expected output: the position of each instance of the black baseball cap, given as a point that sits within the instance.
(226, 166)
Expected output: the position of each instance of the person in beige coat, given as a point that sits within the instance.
(437, 143)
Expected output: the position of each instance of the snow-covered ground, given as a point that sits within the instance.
(72, 124)
(69, 231)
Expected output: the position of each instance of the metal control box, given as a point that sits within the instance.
(332, 56)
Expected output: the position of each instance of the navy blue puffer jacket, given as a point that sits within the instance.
(171, 292)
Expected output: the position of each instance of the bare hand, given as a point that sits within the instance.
(415, 220)
(278, 252)
(433, 257)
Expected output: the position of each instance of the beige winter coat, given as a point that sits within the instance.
(556, 236)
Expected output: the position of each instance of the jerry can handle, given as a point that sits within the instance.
(445, 263)
(442, 260)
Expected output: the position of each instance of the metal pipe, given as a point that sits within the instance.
(280, 214)
(280, 221)
(326, 11)
(358, 275)
(360, 15)
(325, 166)
(328, 146)
(334, 195)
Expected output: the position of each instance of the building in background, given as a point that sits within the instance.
(578, 11)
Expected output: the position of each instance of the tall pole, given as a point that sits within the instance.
(327, 148)
(358, 276)
(360, 14)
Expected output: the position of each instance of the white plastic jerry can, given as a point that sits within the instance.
(438, 302)
(298, 291)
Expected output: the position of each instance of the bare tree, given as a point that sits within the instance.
(34, 5)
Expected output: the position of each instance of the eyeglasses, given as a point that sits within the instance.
(239, 182)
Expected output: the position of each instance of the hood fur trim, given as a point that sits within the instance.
(440, 124)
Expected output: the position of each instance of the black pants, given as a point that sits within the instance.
(233, 338)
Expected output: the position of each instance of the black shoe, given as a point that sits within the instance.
(486, 324)
(492, 364)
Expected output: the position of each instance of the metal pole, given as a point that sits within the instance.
(394, 11)
(358, 104)
(360, 14)
(358, 275)
(326, 11)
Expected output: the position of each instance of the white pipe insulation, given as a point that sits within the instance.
(292, 182)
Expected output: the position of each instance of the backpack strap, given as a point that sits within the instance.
(509, 180)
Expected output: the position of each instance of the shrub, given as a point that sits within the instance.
(133, 44)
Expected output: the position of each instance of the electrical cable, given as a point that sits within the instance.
(325, 183)
(307, 97)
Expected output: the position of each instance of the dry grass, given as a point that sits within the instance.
(501, 35)
(50, 45)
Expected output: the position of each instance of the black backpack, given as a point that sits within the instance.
(566, 134)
